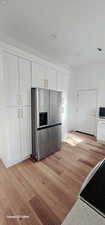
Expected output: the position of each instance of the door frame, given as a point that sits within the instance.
(77, 100)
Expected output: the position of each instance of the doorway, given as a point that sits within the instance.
(86, 111)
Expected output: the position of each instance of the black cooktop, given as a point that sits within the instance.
(94, 192)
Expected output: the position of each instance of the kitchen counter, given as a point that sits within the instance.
(82, 214)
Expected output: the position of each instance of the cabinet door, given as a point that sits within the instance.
(62, 82)
(101, 131)
(38, 75)
(25, 81)
(10, 78)
(13, 126)
(51, 76)
(25, 131)
(62, 85)
(1, 83)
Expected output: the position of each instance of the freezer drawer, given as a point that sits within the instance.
(48, 141)
(54, 139)
(42, 144)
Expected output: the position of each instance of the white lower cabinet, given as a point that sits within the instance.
(18, 135)
(13, 136)
(101, 130)
(25, 132)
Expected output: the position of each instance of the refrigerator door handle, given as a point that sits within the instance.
(18, 113)
(18, 99)
(21, 112)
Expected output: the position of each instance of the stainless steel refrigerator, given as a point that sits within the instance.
(46, 122)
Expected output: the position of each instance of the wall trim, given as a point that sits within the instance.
(17, 51)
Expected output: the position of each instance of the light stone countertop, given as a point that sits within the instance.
(82, 214)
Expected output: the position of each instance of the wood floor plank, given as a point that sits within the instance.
(43, 211)
(47, 190)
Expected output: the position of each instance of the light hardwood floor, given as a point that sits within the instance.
(46, 191)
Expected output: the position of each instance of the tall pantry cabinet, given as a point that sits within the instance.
(16, 81)
(63, 85)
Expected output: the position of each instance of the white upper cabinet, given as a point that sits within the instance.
(10, 79)
(25, 81)
(62, 81)
(38, 75)
(62, 85)
(43, 76)
(17, 80)
(1, 83)
(51, 76)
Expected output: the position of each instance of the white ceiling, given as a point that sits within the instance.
(79, 26)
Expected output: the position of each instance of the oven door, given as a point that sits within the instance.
(91, 174)
(93, 192)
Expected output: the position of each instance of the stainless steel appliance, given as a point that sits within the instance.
(93, 189)
(46, 122)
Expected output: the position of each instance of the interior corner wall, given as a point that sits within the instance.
(90, 76)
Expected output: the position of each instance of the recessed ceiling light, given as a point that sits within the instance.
(99, 49)
(52, 36)
(3, 2)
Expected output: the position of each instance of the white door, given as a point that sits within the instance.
(86, 111)
(25, 81)
(13, 126)
(25, 131)
(10, 79)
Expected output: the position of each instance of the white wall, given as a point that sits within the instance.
(90, 76)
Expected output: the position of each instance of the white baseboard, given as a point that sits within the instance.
(9, 164)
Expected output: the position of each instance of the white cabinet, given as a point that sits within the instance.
(13, 137)
(101, 130)
(51, 77)
(10, 79)
(17, 80)
(1, 83)
(43, 76)
(25, 131)
(62, 85)
(38, 75)
(17, 135)
(25, 81)
(62, 81)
